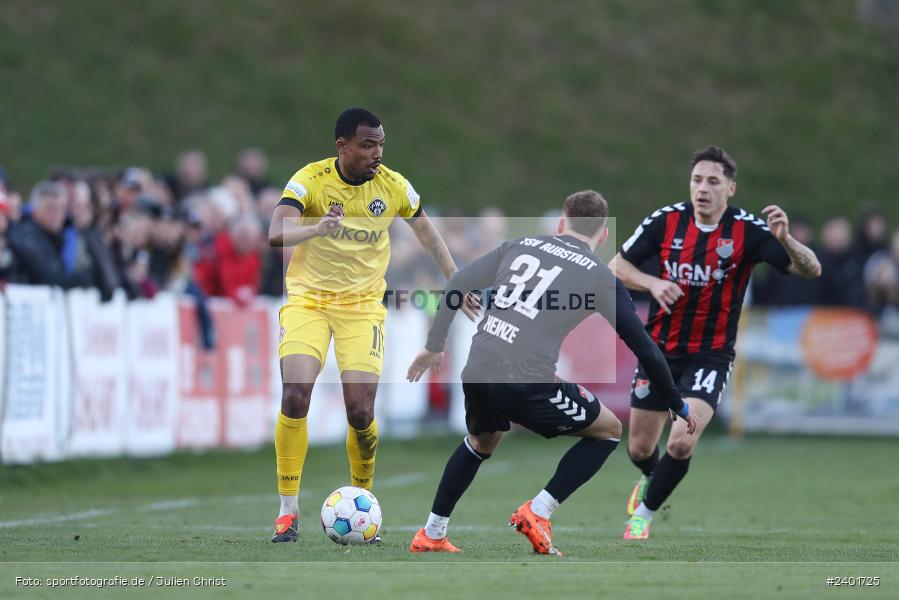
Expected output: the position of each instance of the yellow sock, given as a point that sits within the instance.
(291, 444)
(361, 446)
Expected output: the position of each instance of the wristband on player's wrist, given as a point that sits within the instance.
(684, 412)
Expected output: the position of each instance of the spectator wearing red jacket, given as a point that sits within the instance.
(234, 267)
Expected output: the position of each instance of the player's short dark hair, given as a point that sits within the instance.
(350, 119)
(719, 155)
(587, 212)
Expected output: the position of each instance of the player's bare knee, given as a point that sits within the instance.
(295, 400)
(680, 449)
(360, 415)
(485, 443)
(614, 427)
(639, 449)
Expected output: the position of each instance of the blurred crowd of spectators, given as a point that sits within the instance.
(145, 232)
(860, 267)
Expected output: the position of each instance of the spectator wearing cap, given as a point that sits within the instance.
(36, 242)
(166, 245)
(128, 190)
(131, 254)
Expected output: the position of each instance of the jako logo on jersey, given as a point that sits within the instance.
(357, 235)
(688, 272)
(641, 388)
(725, 248)
(377, 207)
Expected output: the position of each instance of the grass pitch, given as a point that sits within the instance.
(764, 516)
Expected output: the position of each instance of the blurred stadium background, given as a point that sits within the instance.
(168, 130)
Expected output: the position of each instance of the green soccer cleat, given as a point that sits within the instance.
(637, 528)
(637, 495)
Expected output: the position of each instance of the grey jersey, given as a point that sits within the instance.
(538, 290)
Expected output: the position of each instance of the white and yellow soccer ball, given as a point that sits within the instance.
(351, 515)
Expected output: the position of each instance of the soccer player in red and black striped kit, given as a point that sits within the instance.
(706, 250)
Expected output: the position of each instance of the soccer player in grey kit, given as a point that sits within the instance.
(543, 287)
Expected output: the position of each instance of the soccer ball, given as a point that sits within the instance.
(351, 515)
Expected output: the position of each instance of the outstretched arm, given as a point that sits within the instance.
(431, 240)
(475, 276)
(803, 261)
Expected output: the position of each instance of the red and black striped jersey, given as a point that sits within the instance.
(711, 266)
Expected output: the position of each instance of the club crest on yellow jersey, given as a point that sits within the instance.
(377, 207)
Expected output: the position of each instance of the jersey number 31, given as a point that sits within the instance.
(523, 268)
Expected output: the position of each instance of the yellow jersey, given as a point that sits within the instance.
(349, 264)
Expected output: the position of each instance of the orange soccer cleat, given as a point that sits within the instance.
(422, 543)
(286, 528)
(537, 529)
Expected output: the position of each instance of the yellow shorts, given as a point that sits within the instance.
(358, 331)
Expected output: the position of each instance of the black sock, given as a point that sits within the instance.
(579, 464)
(648, 464)
(460, 470)
(665, 478)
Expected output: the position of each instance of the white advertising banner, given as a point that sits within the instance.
(402, 406)
(327, 415)
(273, 307)
(99, 404)
(243, 337)
(37, 393)
(455, 357)
(153, 391)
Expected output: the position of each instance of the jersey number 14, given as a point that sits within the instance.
(707, 384)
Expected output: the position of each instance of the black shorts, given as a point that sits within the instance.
(549, 409)
(702, 375)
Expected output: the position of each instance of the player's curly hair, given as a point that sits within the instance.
(587, 211)
(350, 119)
(719, 155)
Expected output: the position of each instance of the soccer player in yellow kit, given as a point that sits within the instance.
(336, 212)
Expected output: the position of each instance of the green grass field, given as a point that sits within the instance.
(755, 518)
(483, 103)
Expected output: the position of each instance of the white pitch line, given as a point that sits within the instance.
(182, 503)
(402, 480)
(171, 504)
(87, 514)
